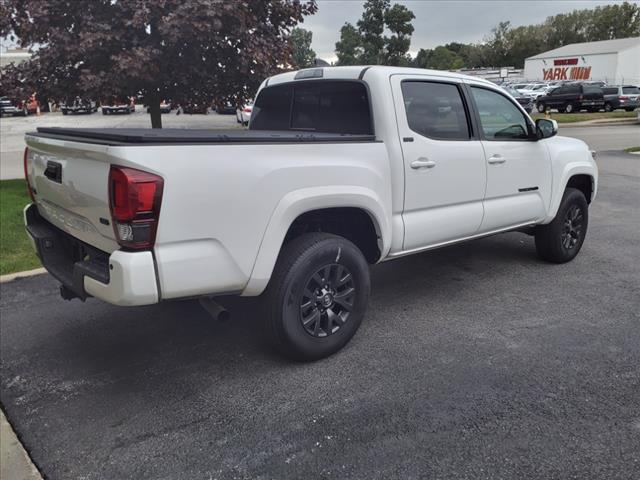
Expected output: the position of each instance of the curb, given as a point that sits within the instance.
(598, 123)
(27, 273)
(15, 461)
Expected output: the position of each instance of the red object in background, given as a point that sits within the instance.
(565, 61)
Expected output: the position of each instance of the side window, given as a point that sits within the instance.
(435, 110)
(500, 119)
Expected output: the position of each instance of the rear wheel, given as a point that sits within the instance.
(561, 240)
(569, 108)
(608, 107)
(542, 107)
(629, 109)
(317, 296)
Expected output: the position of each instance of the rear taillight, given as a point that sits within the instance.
(134, 199)
(247, 109)
(26, 173)
(623, 98)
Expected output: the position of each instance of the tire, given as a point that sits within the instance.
(569, 108)
(541, 107)
(629, 109)
(608, 107)
(65, 112)
(104, 112)
(298, 272)
(561, 240)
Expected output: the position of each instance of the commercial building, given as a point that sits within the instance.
(613, 61)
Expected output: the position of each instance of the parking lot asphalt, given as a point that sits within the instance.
(477, 361)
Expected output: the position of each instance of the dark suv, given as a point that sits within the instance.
(621, 96)
(572, 97)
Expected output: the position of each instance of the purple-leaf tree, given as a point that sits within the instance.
(183, 50)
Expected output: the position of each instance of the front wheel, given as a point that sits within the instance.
(569, 108)
(608, 107)
(317, 296)
(561, 240)
(541, 107)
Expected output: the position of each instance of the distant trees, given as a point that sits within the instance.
(507, 45)
(367, 44)
(184, 50)
(504, 46)
(302, 55)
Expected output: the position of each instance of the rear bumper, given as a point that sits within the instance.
(122, 278)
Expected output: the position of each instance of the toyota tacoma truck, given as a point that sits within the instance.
(341, 168)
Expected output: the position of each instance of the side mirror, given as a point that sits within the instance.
(546, 128)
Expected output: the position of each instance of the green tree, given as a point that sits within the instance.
(398, 20)
(349, 48)
(444, 59)
(371, 28)
(613, 21)
(302, 55)
(422, 58)
(185, 50)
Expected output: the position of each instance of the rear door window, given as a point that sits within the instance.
(610, 91)
(325, 106)
(435, 110)
(631, 90)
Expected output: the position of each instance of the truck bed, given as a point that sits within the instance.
(182, 136)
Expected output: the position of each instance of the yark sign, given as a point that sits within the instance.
(560, 72)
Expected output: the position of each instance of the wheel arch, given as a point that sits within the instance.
(308, 207)
(580, 176)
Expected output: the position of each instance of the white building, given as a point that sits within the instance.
(614, 61)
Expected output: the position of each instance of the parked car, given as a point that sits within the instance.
(626, 97)
(195, 107)
(572, 97)
(536, 90)
(79, 105)
(12, 107)
(225, 108)
(334, 174)
(526, 101)
(165, 107)
(118, 105)
(243, 114)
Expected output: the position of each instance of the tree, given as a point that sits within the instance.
(371, 28)
(444, 59)
(302, 55)
(183, 50)
(398, 21)
(349, 48)
(422, 58)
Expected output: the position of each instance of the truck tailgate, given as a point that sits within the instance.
(70, 185)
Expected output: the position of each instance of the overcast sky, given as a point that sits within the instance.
(438, 22)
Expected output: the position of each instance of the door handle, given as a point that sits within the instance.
(496, 160)
(422, 163)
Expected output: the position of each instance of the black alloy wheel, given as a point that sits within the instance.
(572, 227)
(327, 300)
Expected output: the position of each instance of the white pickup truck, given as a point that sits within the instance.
(340, 168)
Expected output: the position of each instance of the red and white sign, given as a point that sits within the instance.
(566, 73)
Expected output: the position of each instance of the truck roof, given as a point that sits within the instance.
(357, 72)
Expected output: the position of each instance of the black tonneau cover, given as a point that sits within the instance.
(147, 136)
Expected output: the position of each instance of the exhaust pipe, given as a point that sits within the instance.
(213, 308)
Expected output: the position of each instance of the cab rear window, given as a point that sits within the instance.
(327, 106)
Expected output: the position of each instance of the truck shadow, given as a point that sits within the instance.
(154, 347)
